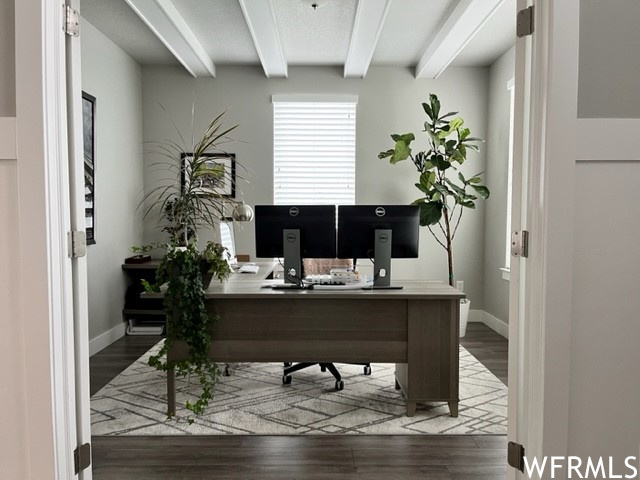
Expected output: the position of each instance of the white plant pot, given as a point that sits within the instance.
(465, 305)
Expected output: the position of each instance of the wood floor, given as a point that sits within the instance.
(330, 457)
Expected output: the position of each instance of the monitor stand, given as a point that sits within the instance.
(292, 259)
(382, 260)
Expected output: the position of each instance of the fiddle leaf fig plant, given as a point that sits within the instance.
(446, 192)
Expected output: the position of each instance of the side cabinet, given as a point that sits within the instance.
(143, 316)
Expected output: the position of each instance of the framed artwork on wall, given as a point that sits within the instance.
(218, 176)
(89, 144)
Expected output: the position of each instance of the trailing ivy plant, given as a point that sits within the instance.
(445, 196)
(182, 208)
(181, 269)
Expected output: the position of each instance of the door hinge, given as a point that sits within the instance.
(77, 243)
(71, 22)
(82, 457)
(515, 455)
(520, 244)
(524, 22)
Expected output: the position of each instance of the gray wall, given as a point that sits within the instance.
(604, 389)
(496, 290)
(389, 102)
(7, 60)
(608, 86)
(115, 79)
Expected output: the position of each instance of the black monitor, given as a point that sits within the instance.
(295, 232)
(378, 232)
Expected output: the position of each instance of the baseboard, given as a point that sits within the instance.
(105, 339)
(494, 323)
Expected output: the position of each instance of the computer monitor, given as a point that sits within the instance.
(295, 232)
(378, 232)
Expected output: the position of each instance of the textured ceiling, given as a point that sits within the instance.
(315, 37)
(496, 37)
(220, 27)
(116, 20)
(408, 29)
(308, 36)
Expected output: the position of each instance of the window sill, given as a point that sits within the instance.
(506, 274)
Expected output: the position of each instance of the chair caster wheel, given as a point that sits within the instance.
(287, 364)
(367, 370)
(323, 368)
(227, 372)
(286, 380)
(340, 385)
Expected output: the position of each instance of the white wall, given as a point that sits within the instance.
(115, 79)
(605, 360)
(496, 289)
(389, 102)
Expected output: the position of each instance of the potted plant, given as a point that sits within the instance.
(445, 195)
(183, 208)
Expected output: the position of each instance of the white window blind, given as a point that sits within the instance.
(314, 151)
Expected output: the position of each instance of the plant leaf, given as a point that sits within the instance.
(455, 124)
(386, 154)
(430, 213)
(427, 110)
(435, 104)
(482, 191)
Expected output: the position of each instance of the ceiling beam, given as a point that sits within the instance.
(370, 17)
(162, 17)
(261, 20)
(464, 22)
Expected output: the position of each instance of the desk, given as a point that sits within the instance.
(416, 328)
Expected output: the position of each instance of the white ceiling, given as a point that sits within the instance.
(307, 36)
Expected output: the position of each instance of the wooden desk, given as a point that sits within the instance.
(416, 328)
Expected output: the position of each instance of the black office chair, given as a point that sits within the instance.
(290, 368)
(313, 266)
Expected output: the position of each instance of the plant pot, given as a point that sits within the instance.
(206, 275)
(465, 305)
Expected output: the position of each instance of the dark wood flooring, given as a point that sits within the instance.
(330, 457)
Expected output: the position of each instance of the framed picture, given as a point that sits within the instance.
(89, 144)
(219, 177)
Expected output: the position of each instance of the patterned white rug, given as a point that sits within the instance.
(254, 401)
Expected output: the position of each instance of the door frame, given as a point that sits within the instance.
(543, 390)
(540, 326)
(46, 292)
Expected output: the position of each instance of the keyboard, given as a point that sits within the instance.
(348, 286)
(249, 268)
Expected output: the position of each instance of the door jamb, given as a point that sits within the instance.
(46, 304)
(546, 338)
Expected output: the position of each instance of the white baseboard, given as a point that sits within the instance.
(494, 323)
(105, 339)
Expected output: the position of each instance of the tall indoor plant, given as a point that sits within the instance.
(446, 193)
(182, 209)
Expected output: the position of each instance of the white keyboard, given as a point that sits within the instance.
(348, 286)
(249, 268)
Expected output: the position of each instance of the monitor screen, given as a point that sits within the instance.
(357, 225)
(317, 225)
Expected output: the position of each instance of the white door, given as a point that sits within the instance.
(79, 265)
(542, 199)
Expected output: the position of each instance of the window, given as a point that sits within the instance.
(511, 90)
(314, 149)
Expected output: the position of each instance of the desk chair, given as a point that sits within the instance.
(321, 266)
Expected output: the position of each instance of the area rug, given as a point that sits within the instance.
(253, 400)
